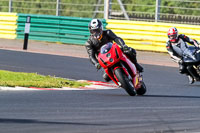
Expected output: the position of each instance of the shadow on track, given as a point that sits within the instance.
(32, 121)
(171, 96)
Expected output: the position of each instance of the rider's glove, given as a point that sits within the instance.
(98, 66)
(125, 49)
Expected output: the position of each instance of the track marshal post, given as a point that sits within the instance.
(26, 31)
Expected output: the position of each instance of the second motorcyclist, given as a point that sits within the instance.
(176, 45)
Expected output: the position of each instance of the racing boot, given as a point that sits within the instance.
(139, 67)
(106, 77)
(132, 56)
(193, 73)
(191, 79)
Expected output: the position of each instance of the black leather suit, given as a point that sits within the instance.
(93, 47)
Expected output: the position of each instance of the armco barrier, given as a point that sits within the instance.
(150, 36)
(8, 25)
(72, 30)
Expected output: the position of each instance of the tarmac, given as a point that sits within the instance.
(144, 57)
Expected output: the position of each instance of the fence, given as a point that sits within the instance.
(173, 11)
(79, 8)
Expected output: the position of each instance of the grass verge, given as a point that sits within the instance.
(12, 79)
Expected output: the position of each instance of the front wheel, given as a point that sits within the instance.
(125, 82)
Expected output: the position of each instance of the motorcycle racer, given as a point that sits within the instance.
(99, 37)
(176, 45)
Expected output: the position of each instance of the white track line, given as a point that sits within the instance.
(96, 85)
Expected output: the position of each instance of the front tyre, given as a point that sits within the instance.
(125, 82)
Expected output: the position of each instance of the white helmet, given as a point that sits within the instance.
(96, 28)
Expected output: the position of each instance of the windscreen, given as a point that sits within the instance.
(105, 48)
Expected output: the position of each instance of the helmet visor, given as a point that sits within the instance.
(96, 32)
(173, 36)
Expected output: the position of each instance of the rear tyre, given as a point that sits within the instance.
(125, 82)
(142, 90)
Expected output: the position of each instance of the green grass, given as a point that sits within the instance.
(12, 79)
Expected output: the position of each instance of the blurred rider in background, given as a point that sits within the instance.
(99, 37)
(176, 45)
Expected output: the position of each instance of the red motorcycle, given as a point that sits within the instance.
(120, 69)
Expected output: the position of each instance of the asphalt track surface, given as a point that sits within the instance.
(170, 105)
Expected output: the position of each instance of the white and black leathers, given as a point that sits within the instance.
(176, 49)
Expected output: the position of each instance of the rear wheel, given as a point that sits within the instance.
(142, 90)
(125, 82)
